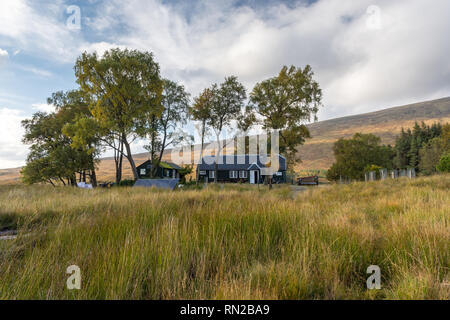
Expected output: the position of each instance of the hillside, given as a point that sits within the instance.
(317, 152)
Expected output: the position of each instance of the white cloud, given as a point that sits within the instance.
(44, 107)
(3, 53)
(100, 47)
(359, 68)
(12, 151)
(38, 33)
(3, 56)
(36, 71)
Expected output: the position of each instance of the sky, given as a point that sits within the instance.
(367, 55)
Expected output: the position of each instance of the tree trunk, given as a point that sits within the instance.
(161, 153)
(93, 178)
(129, 156)
(73, 181)
(216, 166)
(62, 180)
(118, 159)
(201, 150)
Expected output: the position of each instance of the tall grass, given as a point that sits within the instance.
(235, 242)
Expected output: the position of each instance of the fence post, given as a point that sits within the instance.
(383, 174)
(411, 173)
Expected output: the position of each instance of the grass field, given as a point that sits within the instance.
(232, 242)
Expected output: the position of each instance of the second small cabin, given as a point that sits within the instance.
(166, 170)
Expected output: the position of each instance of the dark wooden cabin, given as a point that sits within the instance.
(240, 168)
(165, 170)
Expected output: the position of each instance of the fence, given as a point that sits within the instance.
(393, 174)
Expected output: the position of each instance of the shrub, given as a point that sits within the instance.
(126, 183)
(444, 163)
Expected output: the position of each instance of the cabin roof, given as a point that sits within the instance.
(240, 162)
(163, 164)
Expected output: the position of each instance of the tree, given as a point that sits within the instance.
(184, 171)
(201, 111)
(430, 155)
(445, 138)
(409, 143)
(354, 155)
(285, 103)
(162, 127)
(444, 163)
(78, 127)
(126, 87)
(228, 100)
(52, 158)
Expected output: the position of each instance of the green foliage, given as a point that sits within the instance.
(372, 167)
(184, 171)
(444, 163)
(201, 111)
(227, 100)
(164, 130)
(430, 155)
(285, 103)
(409, 143)
(126, 183)
(54, 155)
(445, 138)
(355, 155)
(125, 87)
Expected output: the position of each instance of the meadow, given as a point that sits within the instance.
(229, 242)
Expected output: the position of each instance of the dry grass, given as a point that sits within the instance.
(235, 242)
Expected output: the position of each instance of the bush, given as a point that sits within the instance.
(444, 163)
(126, 183)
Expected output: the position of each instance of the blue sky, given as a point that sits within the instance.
(367, 55)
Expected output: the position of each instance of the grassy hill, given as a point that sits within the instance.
(317, 152)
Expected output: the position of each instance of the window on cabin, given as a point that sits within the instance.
(143, 172)
(243, 174)
(233, 174)
(211, 174)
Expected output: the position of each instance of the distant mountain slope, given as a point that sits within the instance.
(317, 152)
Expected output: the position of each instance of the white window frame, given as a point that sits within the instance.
(243, 174)
(202, 172)
(233, 174)
(211, 174)
(143, 172)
